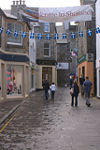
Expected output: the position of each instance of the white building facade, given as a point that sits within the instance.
(98, 47)
(32, 56)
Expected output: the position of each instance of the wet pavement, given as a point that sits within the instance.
(53, 125)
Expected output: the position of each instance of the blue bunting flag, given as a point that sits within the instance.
(1, 30)
(89, 32)
(8, 31)
(48, 37)
(73, 35)
(56, 36)
(24, 35)
(40, 36)
(64, 36)
(31, 35)
(81, 34)
(16, 33)
(97, 30)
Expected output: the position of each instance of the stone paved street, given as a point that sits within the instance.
(48, 125)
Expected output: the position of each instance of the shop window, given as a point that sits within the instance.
(14, 79)
(11, 38)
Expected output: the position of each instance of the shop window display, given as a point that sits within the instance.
(14, 80)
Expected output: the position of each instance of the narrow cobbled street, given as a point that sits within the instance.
(46, 125)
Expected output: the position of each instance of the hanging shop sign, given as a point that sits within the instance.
(81, 59)
(64, 66)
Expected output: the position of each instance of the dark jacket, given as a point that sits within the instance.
(87, 86)
(71, 83)
(81, 79)
(75, 89)
(46, 85)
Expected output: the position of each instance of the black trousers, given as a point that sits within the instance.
(52, 94)
(76, 101)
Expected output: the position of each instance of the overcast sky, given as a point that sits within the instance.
(5, 4)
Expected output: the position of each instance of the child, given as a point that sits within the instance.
(53, 89)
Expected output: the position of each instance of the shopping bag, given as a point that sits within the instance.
(49, 92)
(71, 91)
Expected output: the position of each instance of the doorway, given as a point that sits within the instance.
(47, 74)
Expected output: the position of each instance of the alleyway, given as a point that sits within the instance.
(48, 125)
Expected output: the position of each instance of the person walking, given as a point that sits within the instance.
(71, 81)
(46, 88)
(53, 89)
(87, 89)
(81, 80)
(75, 93)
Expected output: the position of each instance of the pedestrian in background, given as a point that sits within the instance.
(81, 80)
(87, 89)
(75, 93)
(46, 88)
(71, 81)
(53, 89)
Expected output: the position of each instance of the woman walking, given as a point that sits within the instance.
(75, 93)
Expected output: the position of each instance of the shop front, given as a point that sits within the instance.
(86, 68)
(45, 72)
(14, 79)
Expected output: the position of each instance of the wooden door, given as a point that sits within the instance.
(47, 74)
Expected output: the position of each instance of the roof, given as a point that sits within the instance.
(8, 15)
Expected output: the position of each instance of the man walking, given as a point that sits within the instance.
(87, 89)
(46, 88)
(81, 80)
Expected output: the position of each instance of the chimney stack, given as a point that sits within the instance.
(17, 2)
(13, 2)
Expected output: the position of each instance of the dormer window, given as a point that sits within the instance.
(46, 27)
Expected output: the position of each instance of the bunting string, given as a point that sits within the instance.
(49, 36)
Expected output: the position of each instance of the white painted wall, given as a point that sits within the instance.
(32, 55)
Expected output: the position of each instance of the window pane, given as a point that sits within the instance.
(12, 27)
(46, 27)
(46, 52)
(46, 49)
(46, 45)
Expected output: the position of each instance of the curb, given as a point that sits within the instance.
(96, 99)
(2, 120)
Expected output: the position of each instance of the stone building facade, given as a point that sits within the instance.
(14, 58)
(87, 48)
(63, 55)
(63, 66)
(46, 54)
